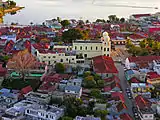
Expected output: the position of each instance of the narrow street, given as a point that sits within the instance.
(124, 85)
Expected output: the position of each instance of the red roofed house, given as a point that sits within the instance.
(140, 16)
(104, 66)
(140, 61)
(125, 117)
(121, 108)
(26, 90)
(144, 107)
(117, 96)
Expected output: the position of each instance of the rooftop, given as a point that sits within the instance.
(87, 41)
(143, 59)
(104, 64)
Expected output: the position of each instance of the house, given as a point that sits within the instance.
(44, 112)
(136, 38)
(143, 63)
(125, 117)
(17, 111)
(113, 87)
(142, 89)
(156, 66)
(117, 97)
(144, 108)
(121, 108)
(7, 98)
(153, 78)
(26, 90)
(38, 97)
(92, 48)
(104, 66)
(73, 90)
(87, 118)
(140, 16)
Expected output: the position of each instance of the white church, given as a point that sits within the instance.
(92, 48)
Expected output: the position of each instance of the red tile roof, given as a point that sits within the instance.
(142, 102)
(152, 75)
(26, 90)
(143, 59)
(134, 80)
(125, 117)
(121, 106)
(141, 15)
(111, 79)
(118, 96)
(104, 64)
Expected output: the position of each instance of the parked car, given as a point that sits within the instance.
(129, 94)
(135, 113)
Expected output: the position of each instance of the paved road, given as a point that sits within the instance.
(124, 85)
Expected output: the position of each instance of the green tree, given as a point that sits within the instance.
(112, 18)
(122, 20)
(143, 44)
(89, 78)
(97, 77)
(60, 68)
(59, 19)
(96, 93)
(72, 34)
(90, 83)
(87, 21)
(87, 73)
(67, 118)
(65, 23)
(101, 113)
(100, 20)
(129, 43)
(100, 83)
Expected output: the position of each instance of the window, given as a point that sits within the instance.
(104, 54)
(96, 48)
(46, 116)
(108, 55)
(54, 61)
(49, 57)
(104, 49)
(85, 55)
(72, 58)
(146, 116)
(59, 54)
(49, 62)
(107, 49)
(27, 111)
(43, 61)
(54, 57)
(61, 60)
(86, 47)
(75, 47)
(44, 56)
(101, 48)
(91, 47)
(81, 48)
(66, 59)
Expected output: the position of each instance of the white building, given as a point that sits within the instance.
(156, 66)
(92, 48)
(40, 98)
(44, 112)
(74, 90)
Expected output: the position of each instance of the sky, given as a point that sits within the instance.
(37, 11)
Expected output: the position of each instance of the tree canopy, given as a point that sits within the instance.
(60, 68)
(22, 62)
(65, 23)
(72, 34)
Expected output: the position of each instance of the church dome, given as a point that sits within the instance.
(105, 34)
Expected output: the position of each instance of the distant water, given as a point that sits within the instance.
(37, 11)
